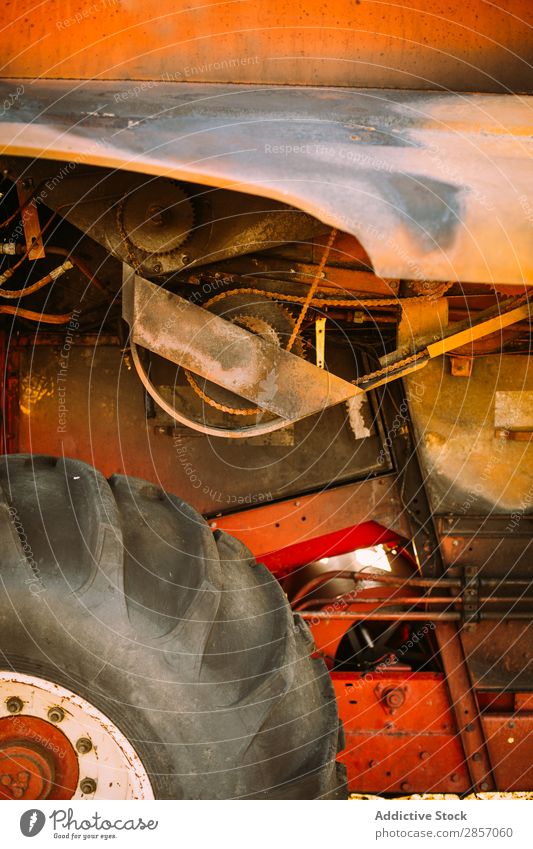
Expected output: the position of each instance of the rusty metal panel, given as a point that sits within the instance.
(510, 742)
(104, 423)
(471, 471)
(465, 707)
(435, 185)
(472, 46)
(408, 748)
(499, 654)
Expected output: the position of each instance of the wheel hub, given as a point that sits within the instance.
(37, 760)
(56, 745)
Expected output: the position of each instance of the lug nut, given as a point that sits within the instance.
(56, 714)
(87, 786)
(83, 745)
(393, 698)
(14, 704)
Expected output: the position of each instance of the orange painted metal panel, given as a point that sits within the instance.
(458, 45)
(410, 748)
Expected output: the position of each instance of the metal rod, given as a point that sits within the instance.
(385, 617)
(379, 601)
(414, 616)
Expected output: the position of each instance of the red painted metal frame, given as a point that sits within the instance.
(291, 533)
(329, 545)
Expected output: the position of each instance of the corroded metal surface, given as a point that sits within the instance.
(228, 355)
(436, 185)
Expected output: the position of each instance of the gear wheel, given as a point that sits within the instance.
(266, 318)
(157, 217)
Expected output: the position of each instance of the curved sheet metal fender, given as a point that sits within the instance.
(436, 186)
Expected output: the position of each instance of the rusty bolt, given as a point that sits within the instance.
(83, 745)
(469, 727)
(87, 786)
(394, 698)
(14, 704)
(157, 268)
(484, 785)
(164, 430)
(424, 756)
(185, 258)
(405, 786)
(56, 714)
(372, 763)
(454, 777)
(476, 756)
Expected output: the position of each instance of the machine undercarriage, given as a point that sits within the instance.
(367, 437)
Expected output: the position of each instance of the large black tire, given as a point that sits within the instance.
(122, 593)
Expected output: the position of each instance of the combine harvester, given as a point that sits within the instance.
(267, 473)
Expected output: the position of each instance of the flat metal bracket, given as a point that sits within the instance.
(241, 362)
(470, 606)
(30, 219)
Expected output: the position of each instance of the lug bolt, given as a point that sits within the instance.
(483, 786)
(454, 777)
(14, 705)
(83, 745)
(476, 756)
(424, 756)
(405, 786)
(87, 786)
(56, 714)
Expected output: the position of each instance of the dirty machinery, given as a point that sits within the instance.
(267, 474)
